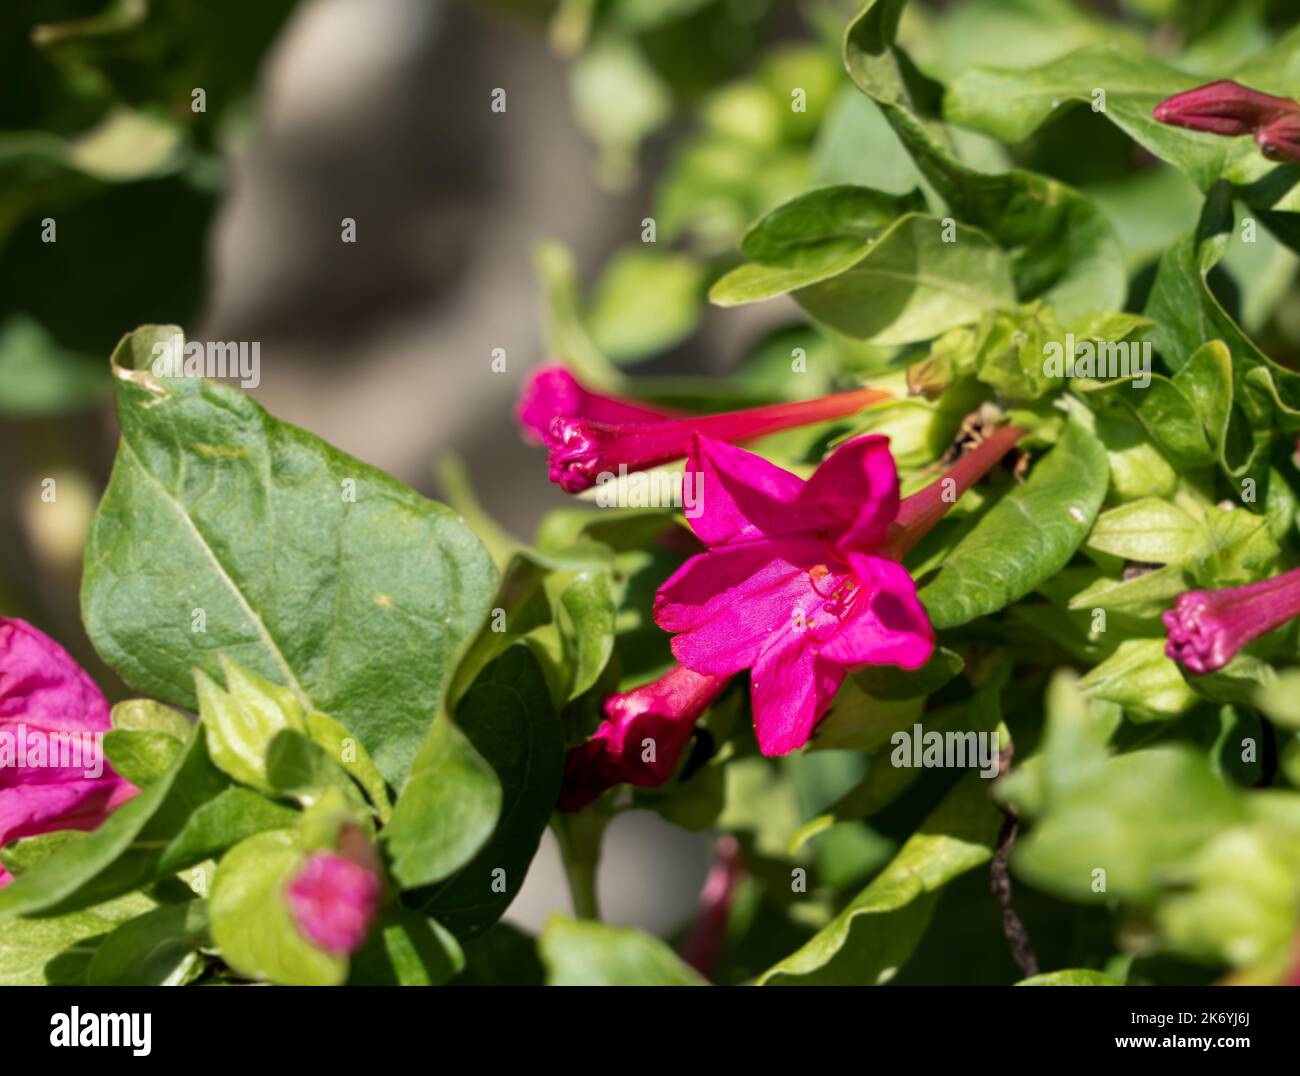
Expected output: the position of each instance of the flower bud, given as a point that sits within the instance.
(1223, 108)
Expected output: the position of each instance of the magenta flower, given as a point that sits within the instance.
(801, 580)
(588, 434)
(1223, 108)
(52, 718)
(334, 899)
(1206, 628)
(642, 737)
(552, 392)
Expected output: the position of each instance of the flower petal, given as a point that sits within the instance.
(728, 602)
(790, 690)
(888, 628)
(743, 496)
(552, 392)
(857, 488)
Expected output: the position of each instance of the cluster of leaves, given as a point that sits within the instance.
(464, 663)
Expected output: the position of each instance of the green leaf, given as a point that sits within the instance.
(299, 768)
(36, 952)
(586, 953)
(646, 301)
(38, 377)
(145, 715)
(360, 605)
(870, 939)
(221, 823)
(1010, 105)
(241, 722)
(123, 853)
(159, 948)
(1139, 677)
(447, 810)
(344, 749)
(1062, 248)
(1240, 422)
(141, 757)
(1133, 819)
(903, 285)
(1072, 977)
(1146, 595)
(508, 717)
(1150, 531)
(893, 682)
(407, 949)
(251, 922)
(1024, 539)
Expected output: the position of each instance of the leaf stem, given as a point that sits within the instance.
(579, 835)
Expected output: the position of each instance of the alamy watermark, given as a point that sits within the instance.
(1099, 359)
(651, 489)
(176, 357)
(26, 748)
(946, 750)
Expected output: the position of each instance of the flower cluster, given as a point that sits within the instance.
(800, 580)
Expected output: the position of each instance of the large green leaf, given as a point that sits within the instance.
(1011, 104)
(1061, 246)
(123, 853)
(159, 948)
(871, 938)
(311, 568)
(1024, 539)
(1117, 830)
(447, 810)
(221, 823)
(585, 953)
(57, 950)
(508, 717)
(904, 283)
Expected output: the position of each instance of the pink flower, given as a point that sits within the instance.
(48, 702)
(801, 580)
(334, 898)
(1224, 108)
(588, 435)
(662, 712)
(1279, 139)
(552, 392)
(1206, 628)
(704, 943)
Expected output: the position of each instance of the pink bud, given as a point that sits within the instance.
(663, 711)
(1223, 108)
(1206, 628)
(334, 899)
(1279, 139)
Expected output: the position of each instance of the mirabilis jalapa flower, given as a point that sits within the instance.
(801, 581)
(1206, 628)
(44, 692)
(588, 434)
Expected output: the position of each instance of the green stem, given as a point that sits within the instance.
(579, 837)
